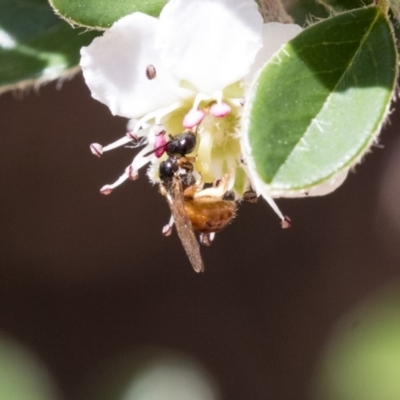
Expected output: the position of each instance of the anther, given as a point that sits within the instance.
(167, 230)
(158, 130)
(193, 118)
(286, 222)
(160, 145)
(96, 149)
(220, 110)
(136, 140)
(107, 189)
(206, 238)
(132, 136)
(132, 173)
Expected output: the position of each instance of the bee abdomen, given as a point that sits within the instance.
(210, 216)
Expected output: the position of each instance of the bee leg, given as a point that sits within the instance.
(218, 190)
(189, 192)
(207, 238)
(167, 229)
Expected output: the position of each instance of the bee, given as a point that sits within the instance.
(205, 211)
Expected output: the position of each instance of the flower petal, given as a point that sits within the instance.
(115, 67)
(275, 35)
(210, 43)
(322, 189)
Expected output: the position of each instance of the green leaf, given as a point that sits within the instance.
(101, 14)
(304, 11)
(317, 106)
(35, 45)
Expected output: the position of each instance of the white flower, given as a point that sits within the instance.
(189, 69)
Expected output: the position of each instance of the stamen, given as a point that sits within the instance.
(140, 141)
(286, 222)
(195, 115)
(167, 229)
(206, 238)
(141, 159)
(132, 136)
(273, 205)
(158, 130)
(218, 95)
(220, 110)
(132, 174)
(199, 98)
(159, 144)
(193, 118)
(96, 149)
(204, 150)
(117, 143)
(107, 189)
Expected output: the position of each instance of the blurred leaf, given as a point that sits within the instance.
(35, 45)
(151, 374)
(21, 376)
(101, 14)
(319, 103)
(362, 359)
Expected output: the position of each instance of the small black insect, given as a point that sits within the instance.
(181, 144)
(178, 146)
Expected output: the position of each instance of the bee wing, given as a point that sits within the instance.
(184, 226)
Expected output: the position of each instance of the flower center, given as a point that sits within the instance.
(214, 122)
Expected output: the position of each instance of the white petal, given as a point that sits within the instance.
(114, 67)
(330, 185)
(322, 189)
(210, 43)
(275, 35)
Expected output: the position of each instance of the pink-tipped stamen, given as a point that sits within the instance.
(117, 143)
(132, 173)
(286, 222)
(206, 238)
(96, 149)
(220, 110)
(158, 130)
(107, 189)
(193, 118)
(167, 229)
(160, 145)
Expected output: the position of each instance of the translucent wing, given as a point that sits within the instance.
(184, 226)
